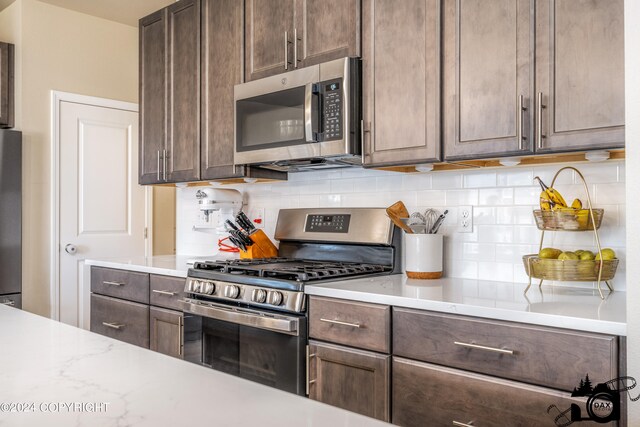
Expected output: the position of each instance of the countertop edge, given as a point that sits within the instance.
(542, 319)
(136, 267)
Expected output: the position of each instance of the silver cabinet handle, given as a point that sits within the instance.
(286, 50)
(295, 48)
(169, 293)
(164, 165)
(180, 336)
(339, 322)
(459, 424)
(158, 173)
(484, 347)
(113, 325)
(9, 303)
(521, 110)
(540, 136)
(106, 282)
(309, 380)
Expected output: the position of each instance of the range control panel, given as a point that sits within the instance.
(333, 106)
(338, 223)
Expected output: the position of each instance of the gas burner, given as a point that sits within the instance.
(298, 270)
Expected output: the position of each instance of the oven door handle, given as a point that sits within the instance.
(246, 317)
(308, 112)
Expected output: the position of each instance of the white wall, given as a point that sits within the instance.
(632, 130)
(58, 49)
(503, 201)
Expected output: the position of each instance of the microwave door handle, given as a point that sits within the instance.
(308, 112)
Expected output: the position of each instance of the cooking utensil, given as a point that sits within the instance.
(396, 212)
(416, 218)
(231, 225)
(431, 216)
(438, 223)
(245, 222)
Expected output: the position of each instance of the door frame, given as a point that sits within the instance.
(57, 97)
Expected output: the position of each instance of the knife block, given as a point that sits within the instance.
(262, 247)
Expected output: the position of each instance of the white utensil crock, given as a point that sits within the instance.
(423, 256)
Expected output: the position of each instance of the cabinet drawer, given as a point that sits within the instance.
(165, 291)
(13, 300)
(355, 324)
(546, 356)
(123, 284)
(123, 320)
(424, 394)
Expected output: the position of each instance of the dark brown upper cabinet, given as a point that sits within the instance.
(6, 85)
(170, 94)
(282, 35)
(487, 78)
(492, 104)
(401, 81)
(579, 74)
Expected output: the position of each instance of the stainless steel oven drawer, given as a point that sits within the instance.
(123, 320)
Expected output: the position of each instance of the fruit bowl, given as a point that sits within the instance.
(568, 219)
(568, 270)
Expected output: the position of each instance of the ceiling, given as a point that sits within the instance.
(123, 11)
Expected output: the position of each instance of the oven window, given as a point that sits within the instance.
(271, 120)
(266, 357)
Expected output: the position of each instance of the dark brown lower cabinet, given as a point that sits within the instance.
(426, 394)
(351, 379)
(123, 320)
(166, 331)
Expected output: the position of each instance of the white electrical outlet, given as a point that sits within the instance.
(256, 215)
(465, 219)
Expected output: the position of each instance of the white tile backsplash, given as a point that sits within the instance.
(503, 198)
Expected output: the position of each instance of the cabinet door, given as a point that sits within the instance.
(183, 142)
(267, 50)
(6, 85)
(425, 394)
(326, 30)
(488, 78)
(153, 117)
(580, 74)
(222, 38)
(401, 81)
(355, 380)
(166, 328)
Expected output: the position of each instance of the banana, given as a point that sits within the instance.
(550, 198)
(576, 204)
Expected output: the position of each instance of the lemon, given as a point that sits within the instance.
(549, 253)
(607, 254)
(568, 256)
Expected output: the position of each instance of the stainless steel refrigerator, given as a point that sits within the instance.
(11, 218)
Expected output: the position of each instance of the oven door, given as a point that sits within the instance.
(260, 346)
(277, 118)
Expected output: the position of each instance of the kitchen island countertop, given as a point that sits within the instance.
(47, 365)
(557, 306)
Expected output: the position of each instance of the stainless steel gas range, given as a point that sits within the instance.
(248, 317)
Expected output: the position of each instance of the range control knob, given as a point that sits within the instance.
(275, 298)
(208, 288)
(231, 291)
(196, 286)
(259, 295)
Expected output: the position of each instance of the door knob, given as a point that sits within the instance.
(71, 249)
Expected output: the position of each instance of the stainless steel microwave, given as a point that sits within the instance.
(308, 118)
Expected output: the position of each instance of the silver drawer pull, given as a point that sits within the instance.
(459, 424)
(113, 325)
(113, 283)
(9, 303)
(484, 347)
(164, 292)
(338, 322)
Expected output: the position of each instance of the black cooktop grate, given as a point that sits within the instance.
(290, 269)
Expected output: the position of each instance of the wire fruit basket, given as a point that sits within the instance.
(599, 270)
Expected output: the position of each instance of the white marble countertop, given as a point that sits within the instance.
(562, 307)
(168, 265)
(49, 364)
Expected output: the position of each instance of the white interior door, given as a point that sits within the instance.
(101, 206)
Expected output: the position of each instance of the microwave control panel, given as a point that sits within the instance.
(333, 106)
